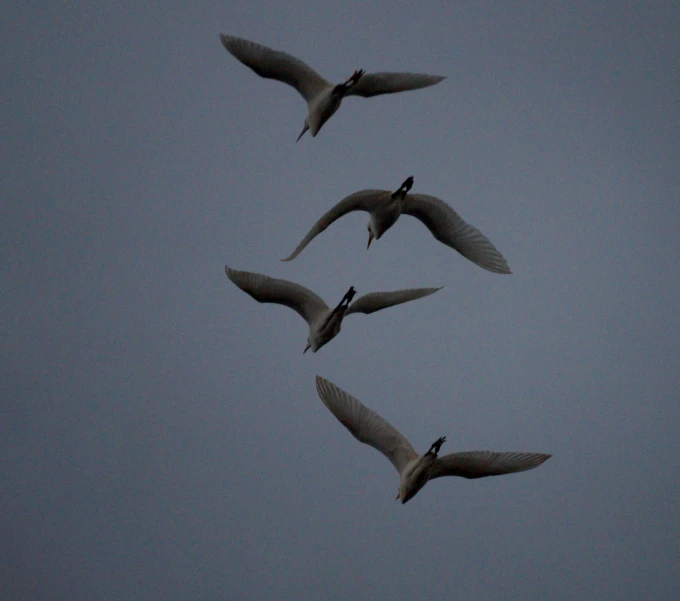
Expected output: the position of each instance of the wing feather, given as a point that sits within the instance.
(479, 464)
(375, 301)
(373, 84)
(265, 289)
(450, 228)
(366, 425)
(365, 200)
(275, 64)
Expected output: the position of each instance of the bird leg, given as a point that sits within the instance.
(341, 308)
(342, 88)
(356, 76)
(349, 295)
(404, 188)
(436, 445)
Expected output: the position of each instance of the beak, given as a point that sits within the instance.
(304, 129)
(306, 348)
(397, 498)
(370, 239)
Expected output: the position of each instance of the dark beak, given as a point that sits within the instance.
(304, 129)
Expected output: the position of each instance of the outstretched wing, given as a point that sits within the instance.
(448, 227)
(374, 301)
(275, 64)
(271, 290)
(479, 464)
(373, 84)
(365, 200)
(366, 425)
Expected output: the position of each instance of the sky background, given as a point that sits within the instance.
(160, 432)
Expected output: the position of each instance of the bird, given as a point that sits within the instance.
(415, 470)
(385, 207)
(323, 98)
(324, 323)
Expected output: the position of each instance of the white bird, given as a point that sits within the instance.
(323, 98)
(385, 207)
(324, 323)
(417, 470)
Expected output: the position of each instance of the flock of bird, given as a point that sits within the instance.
(384, 208)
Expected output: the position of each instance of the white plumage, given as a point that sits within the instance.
(323, 98)
(385, 207)
(324, 323)
(417, 470)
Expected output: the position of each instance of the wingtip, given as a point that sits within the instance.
(505, 270)
(540, 459)
(321, 383)
(502, 269)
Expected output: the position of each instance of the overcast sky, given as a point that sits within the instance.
(160, 432)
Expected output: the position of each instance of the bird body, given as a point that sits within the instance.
(323, 98)
(320, 109)
(416, 473)
(385, 208)
(324, 323)
(415, 470)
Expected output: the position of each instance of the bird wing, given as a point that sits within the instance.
(448, 227)
(373, 84)
(479, 464)
(271, 290)
(275, 64)
(374, 301)
(366, 425)
(365, 200)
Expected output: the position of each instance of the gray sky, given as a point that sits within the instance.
(161, 436)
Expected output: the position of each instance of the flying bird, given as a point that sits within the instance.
(324, 323)
(385, 207)
(415, 470)
(323, 98)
